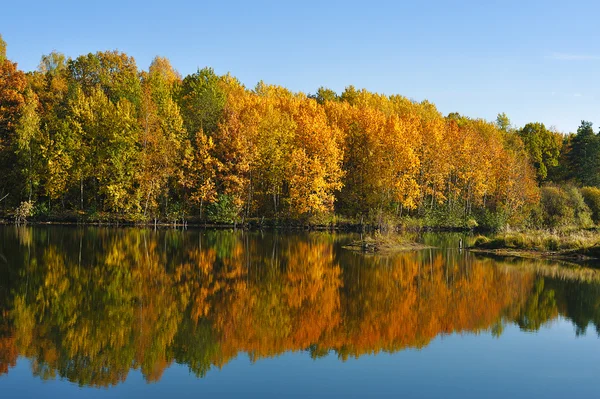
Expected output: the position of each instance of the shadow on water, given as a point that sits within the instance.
(91, 304)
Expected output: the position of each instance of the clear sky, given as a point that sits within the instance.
(534, 60)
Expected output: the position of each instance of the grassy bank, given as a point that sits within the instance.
(553, 268)
(385, 244)
(572, 245)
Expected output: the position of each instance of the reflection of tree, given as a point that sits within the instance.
(567, 289)
(8, 349)
(539, 308)
(89, 305)
(406, 301)
(579, 302)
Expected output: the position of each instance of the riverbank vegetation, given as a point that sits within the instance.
(563, 225)
(542, 240)
(568, 245)
(96, 139)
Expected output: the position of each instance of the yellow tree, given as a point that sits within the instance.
(106, 135)
(315, 172)
(235, 146)
(199, 170)
(274, 143)
(162, 133)
(401, 141)
(29, 143)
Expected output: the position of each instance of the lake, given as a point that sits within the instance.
(107, 312)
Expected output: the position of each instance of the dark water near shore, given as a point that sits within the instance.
(102, 312)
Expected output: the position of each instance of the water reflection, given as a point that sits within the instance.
(91, 304)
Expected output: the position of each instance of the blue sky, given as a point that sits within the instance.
(534, 60)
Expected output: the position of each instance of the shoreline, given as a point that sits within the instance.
(574, 246)
(254, 224)
(569, 255)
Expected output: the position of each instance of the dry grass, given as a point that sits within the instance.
(386, 243)
(542, 240)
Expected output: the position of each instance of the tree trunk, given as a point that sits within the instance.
(148, 199)
(81, 191)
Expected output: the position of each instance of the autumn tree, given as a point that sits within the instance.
(315, 175)
(198, 172)
(113, 72)
(275, 132)
(29, 144)
(2, 49)
(13, 85)
(107, 135)
(51, 85)
(162, 133)
(235, 142)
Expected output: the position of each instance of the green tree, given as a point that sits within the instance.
(324, 94)
(53, 63)
(503, 122)
(562, 171)
(542, 145)
(584, 157)
(350, 95)
(202, 100)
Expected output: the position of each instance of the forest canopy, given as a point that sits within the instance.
(96, 137)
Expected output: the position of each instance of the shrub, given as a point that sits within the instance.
(492, 221)
(223, 210)
(556, 207)
(40, 209)
(581, 212)
(175, 212)
(23, 212)
(445, 216)
(535, 218)
(591, 196)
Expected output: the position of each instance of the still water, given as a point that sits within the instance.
(99, 312)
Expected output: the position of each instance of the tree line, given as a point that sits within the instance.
(94, 137)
